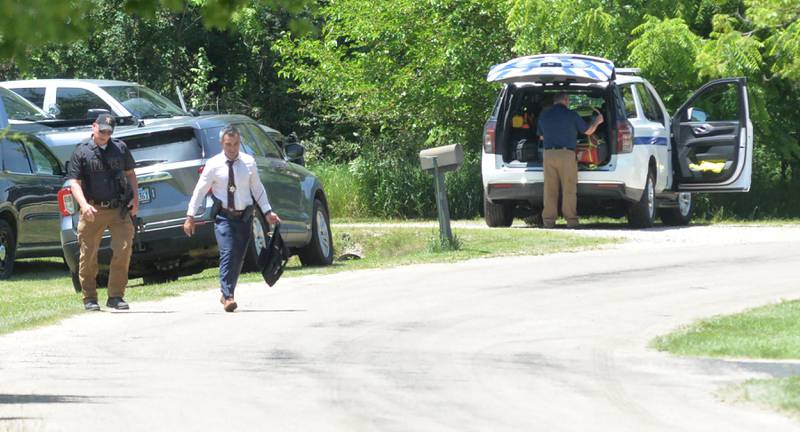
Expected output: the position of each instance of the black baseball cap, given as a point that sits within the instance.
(105, 122)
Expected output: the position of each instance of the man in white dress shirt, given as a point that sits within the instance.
(234, 181)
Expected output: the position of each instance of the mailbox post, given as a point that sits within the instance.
(439, 160)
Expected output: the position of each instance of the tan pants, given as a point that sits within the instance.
(560, 170)
(89, 236)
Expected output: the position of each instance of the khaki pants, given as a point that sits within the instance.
(89, 236)
(560, 170)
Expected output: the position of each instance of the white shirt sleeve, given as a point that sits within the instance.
(200, 190)
(258, 191)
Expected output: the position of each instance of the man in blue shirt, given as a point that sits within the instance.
(558, 128)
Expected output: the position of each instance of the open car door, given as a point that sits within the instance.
(713, 139)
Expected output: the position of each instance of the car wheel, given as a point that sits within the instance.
(76, 282)
(678, 216)
(7, 250)
(258, 241)
(534, 219)
(102, 281)
(320, 250)
(642, 214)
(497, 215)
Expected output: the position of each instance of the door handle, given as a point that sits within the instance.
(702, 129)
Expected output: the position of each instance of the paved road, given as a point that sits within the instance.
(550, 343)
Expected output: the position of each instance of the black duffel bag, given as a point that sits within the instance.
(527, 150)
(272, 259)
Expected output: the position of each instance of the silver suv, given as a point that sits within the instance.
(169, 158)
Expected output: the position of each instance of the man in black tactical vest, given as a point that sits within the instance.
(103, 182)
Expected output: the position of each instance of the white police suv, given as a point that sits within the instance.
(640, 162)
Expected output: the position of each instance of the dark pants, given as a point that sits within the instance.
(233, 236)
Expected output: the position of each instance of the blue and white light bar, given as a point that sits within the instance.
(553, 68)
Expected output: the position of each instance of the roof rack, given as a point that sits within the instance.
(628, 71)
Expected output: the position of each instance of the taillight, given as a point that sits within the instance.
(489, 144)
(624, 137)
(66, 202)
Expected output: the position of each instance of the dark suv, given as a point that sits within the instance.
(169, 158)
(29, 181)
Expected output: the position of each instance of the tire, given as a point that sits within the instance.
(76, 282)
(642, 214)
(681, 215)
(8, 250)
(258, 241)
(319, 252)
(102, 281)
(497, 215)
(535, 219)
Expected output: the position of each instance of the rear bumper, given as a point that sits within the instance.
(534, 192)
(166, 250)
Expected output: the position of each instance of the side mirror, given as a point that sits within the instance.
(696, 115)
(295, 151)
(194, 112)
(54, 111)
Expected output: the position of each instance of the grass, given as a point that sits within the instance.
(340, 190)
(771, 332)
(767, 332)
(40, 291)
(781, 394)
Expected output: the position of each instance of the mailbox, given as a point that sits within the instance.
(448, 158)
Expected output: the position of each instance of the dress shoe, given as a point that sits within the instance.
(229, 305)
(91, 305)
(117, 303)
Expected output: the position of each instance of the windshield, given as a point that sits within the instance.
(144, 103)
(18, 108)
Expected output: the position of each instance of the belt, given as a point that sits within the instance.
(236, 214)
(559, 148)
(104, 204)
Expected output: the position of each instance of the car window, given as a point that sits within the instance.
(720, 103)
(42, 160)
(649, 106)
(143, 102)
(73, 103)
(15, 160)
(34, 94)
(175, 145)
(266, 144)
(627, 98)
(18, 108)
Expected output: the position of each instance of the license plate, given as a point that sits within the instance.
(145, 195)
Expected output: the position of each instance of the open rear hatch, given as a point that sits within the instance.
(549, 68)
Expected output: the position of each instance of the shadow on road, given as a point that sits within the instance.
(38, 270)
(42, 399)
(609, 226)
(123, 312)
(269, 310)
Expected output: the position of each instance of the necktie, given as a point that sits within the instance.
(231, 186)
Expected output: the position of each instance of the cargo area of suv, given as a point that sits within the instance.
(518, 111)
